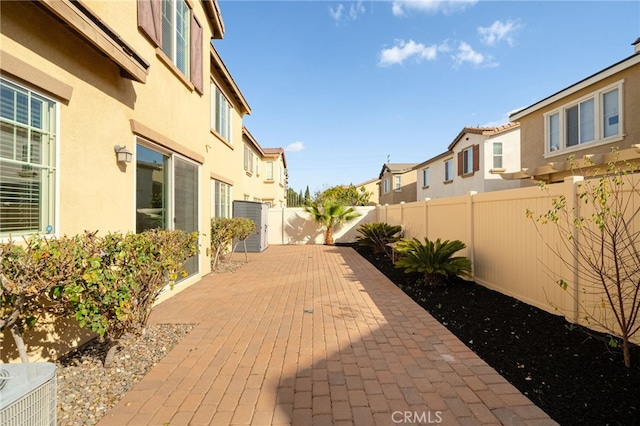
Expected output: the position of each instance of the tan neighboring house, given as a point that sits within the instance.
(265, 173)
(397, 183)
(372, 186)
(473, 162)
(590, 117)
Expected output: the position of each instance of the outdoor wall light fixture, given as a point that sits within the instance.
(123, 154)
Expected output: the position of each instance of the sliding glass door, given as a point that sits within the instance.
(166, 193)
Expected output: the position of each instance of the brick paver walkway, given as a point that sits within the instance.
(315, 335)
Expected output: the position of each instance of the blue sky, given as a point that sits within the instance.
(345, 85)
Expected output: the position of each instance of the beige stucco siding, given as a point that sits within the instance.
(533, 125)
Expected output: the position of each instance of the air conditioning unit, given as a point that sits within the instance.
(28, 394)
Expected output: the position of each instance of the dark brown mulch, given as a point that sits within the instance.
(568, 371)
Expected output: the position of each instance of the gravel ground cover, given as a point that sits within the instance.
(87, 390)
(569, 372)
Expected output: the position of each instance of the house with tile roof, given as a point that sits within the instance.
(593, 117)
(397, 183)
(472, 162)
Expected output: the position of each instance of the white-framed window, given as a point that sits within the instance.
(595, 118)
(221, 199)
(269, 170)
(28, 169)
(281, 173)
(221, 113)
(166, 192)
(497, 155)
(425, 177)
(176, 30)
(467, 161)
(397, 183)
(386, 185)
(448, 170)
(248, 159)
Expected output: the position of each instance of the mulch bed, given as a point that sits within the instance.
(568, 371)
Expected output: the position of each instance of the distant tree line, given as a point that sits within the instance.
(347, 195)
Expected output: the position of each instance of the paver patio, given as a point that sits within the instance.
(314, 335)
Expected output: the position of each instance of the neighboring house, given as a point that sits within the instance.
(590, 117)
(81, 80)
(372, 186)
(472, 162)
(397, 183)
(265, 173)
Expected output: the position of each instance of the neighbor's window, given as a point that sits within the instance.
(497, 155)
(425, 177)
(467, 161)
(27, 161)
(386, 186)
(592, 119)
(448, 170)
(176, 18)
(269, 170)
(397, 182)
(221, 111)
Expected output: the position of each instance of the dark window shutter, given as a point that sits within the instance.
(150, 19)
(476, 158)
(460, 163)
(196, 54)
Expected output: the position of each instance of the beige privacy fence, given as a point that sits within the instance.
(508, 253)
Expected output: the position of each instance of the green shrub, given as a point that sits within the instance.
(434, 259)
(329, 214)
(224, 230)
(108, 284)
(377, 236)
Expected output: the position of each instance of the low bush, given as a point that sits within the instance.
(377, 236)
(108, 284)
(434, 259)
(224, 230)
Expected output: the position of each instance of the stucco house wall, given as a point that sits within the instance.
(539, 161)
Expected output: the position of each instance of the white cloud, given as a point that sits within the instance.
(336, 13)
(403, 51)
(498, 31)
(355, 10)
(448, 7)
(294, 147)
(477, 59)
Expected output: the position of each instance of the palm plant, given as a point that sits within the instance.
(329, 214)
(434, 259)
(378, 235)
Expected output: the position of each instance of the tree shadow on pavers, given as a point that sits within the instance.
(369, 355)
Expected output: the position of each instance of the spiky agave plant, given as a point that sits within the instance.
(435, 259)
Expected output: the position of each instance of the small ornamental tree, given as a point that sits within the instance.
(329, 215)
(225, 230)
(601, 231)
(29, 274)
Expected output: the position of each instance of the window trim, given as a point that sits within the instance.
(494, 155)
(213, 119)
(54, 167)
(397, 183)
(425, 177)
(598, 98)
(448, 179)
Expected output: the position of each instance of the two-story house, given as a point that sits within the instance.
(591, 117)
(397, 183)
(119, 117)
(473, 162)
(265, 173)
